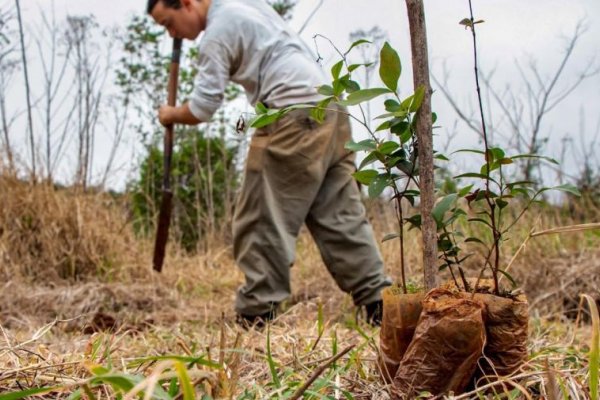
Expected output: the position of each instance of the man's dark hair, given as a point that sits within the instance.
(168, 3)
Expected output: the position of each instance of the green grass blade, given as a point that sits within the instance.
(272, 365)
(320, 324)
(76, 395)
(122, 382)
(201, 360)
(27, 393)
(186, 385)
(594, 359)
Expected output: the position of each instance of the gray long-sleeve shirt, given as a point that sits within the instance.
(245, 41)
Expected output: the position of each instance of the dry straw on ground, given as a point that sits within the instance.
(64, 308)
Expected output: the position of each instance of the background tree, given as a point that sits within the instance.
(517, 115)
(91, 75)
(27, 91)
(8, 66)
(50, 41)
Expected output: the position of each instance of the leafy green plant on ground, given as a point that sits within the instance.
(492, 200)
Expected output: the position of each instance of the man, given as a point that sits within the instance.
(297, 171)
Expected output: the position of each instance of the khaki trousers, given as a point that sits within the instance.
(298, 171)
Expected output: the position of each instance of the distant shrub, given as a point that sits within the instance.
(203, 181)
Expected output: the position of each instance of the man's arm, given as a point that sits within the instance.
(168, 115)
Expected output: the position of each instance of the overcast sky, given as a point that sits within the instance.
(514, 30)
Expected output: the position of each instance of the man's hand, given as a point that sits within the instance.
(168, 115)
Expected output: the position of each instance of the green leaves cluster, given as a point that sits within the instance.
(491, 200)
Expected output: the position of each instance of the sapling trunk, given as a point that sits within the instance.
(418, 38)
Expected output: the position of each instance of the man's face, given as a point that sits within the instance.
(185, 22)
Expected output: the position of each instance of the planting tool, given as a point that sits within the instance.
(164, 216)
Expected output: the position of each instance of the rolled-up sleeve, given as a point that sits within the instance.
(213, 74)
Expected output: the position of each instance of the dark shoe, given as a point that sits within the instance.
(374, 313)
(254, 321)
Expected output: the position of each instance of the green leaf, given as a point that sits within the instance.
(318, 113)
(388, 147)
(350, 85)
(408, 168)
(366, 176)
(384, 125)
(76, 395)
(497, 153)
(471, 175)
(396, 114)
(389, 67)
(441, 157)
(336, 69)
(510, 278)
(415, 221)
(483, 221)
(442, 207)
(361, 96)
(22, 394)
(378, 184)
(184, 359)
(444, 245)
(270, 361)
(265, 119)
(356, 43)
(501, 203)
(391, 105)
(400, 128)
(260, 108)
(474, 240)
(406, 136)
(390, 236)
(124, 382)
(352, 67)
(466, 22)
(405, 105)
(465, 191)
(512, 184)
(173, 388)
(568, 188)
(325, 90)
(363, 145)
(369, 159)
(417, 99)
(551, 160)
(338, 87)
(469, 151)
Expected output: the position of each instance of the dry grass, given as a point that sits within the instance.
(48, 234)
(58, 284)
